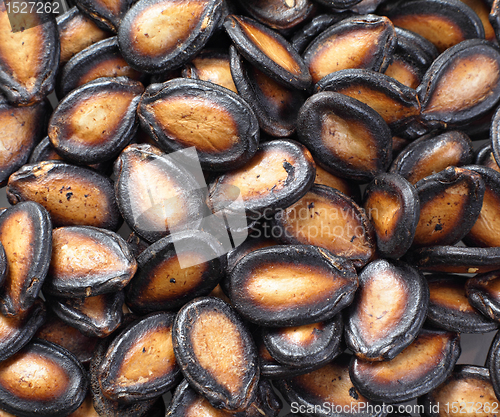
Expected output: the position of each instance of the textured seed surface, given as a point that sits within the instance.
(88, 261)
(387, 314)
(20, 133)
(216, 353)
(345, 136)
(279, 174)
(27, 374)
(330, 384)
(155, 194)
(419, 368)
(72, 195)
(354, 43)
(140, 363)
(28, 58)
(212, 67)
(450, 203)
(268, 51)
(431, 154)
(464, 85)
(25, 234)
(269, 46)
(327, 218)
(219, 353)
(196, 122)
(470, 384)
(311, 285)
(461, 84)
(180, 17)
(77, 32)
(42, 376)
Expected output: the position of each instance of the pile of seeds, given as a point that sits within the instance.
(232, 140)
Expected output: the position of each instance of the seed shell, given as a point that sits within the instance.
(325, 122)
(431, 154)
(467, 385)
(22, 129)
(217, 122)
(28, 58)
(72, 195)
(494, 18)
(17, 331)
(327, 218)
(163, 282)
(420, 368)
(268, 51)
(270, 368)
(462, 84)
(107, 14)
(308, 345)
(330, 385)
(26, 236)
(291, 285)
(450, 203)
(484, 157)
(216, 353)
(160, 35)
(96, 316)
(388, 311)
(44, 151)
(59, 332)
(349, 188)
(493, 363)
(156, 194)
(279, 15)
(278, 175)
(495, 134)
(54, 382)
(88, 261)
(450, 309)
(210, 65)
(483, 294)
(102, 59)
(303, 36)
(84, 130)
(396, 103)
(140, 364)
(455, 259)
(339, 46)
(103, 405)
(443, 22)
(412, 57)
(393, 207)
(186, 402)
(482, 8)
(275, 106)
(77, 32)
(484, 230)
